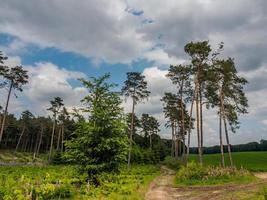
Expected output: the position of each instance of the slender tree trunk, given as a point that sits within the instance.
(26, 145)
(62, 138)
(40, 142)
(221, 140)
(190, 122)
(201, 121)
(198, 127)
(35, 147)
(150, 141)
(183, 122)
(52, 140)
(58, 139)
(5, 113)
(20, 137)
(172, 149)
(31, 144)
(176, 142)
(131, 136)
(226, 134)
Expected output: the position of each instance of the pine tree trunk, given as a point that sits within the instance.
(172, 148)
(5, 113)
(52, 140)
(189, 130)
(20, 138)
(131, 136)
(62, 138)
(198, 127)
(150, 141)
(39, 143)
(58, 138)
(221, 140)
(227, 136)
(176, 142)
(201, 122)
(183, 121)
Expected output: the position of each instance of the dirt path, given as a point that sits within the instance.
(161, 189)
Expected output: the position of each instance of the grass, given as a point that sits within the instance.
(194, 174)
(62, 182)
(253, 161)
(9, 157)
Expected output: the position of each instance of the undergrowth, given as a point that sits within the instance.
(195, 174)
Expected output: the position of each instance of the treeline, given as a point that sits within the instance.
(251, 146)
(30, 133)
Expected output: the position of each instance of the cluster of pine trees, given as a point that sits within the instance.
(208, 81)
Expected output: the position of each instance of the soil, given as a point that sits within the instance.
(162, 189)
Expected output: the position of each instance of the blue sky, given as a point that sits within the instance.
(61, 41)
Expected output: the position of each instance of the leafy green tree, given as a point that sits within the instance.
(16, 77)
(150, 126)
(134, 87)
(100, 144)
(56, 105)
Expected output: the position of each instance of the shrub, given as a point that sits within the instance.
(172, 163)
(196, 174)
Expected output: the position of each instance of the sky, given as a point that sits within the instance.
(60, 41)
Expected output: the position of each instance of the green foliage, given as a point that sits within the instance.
(135, 87)
(58, 158)
(62, 182)
(195, 174)
(145, 156)
(99, 144)
(172, 163)
(264, 193)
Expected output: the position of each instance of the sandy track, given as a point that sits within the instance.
(161, 189)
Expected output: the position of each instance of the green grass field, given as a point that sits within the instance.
(253, 161)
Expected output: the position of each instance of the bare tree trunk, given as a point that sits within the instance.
(131, 136)
(35, 148)
(201, 122)
(190, 121)
(5, 113)
(39, 144)
(198, 128)
(20, 138)
(52, 140)
(150, 141)
(172, 149)
(227, 136)
(58, 139)
(62, 138)
(221, 141)
(183, 122)
(176, 142)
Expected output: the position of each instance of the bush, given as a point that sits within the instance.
(172, 163)
(58, 159)
(145, 156)
(194, 174)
